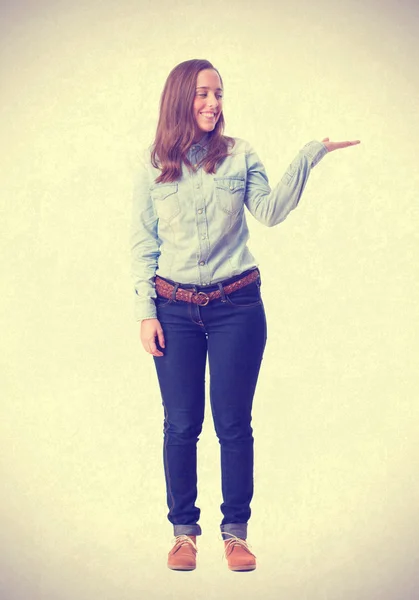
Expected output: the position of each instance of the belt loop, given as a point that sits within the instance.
(173, 298)
(223, 296)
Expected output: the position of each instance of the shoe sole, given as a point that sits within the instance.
(249, 568)
(180, 568)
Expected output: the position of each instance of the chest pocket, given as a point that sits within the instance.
(166, 200)
(230, 194)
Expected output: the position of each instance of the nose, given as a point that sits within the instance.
(212, 101)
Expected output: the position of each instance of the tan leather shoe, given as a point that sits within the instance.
(238, 555)
(182, 557)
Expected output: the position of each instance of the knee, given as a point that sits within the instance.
(182, 432)
(234, 433)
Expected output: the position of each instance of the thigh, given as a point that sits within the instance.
(236, 342)
(181, 370)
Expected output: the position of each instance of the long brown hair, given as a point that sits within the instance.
(176, 127)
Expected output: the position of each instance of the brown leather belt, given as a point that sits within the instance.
(165, 289)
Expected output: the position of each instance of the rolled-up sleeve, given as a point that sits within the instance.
(145, 245)
(271, 206)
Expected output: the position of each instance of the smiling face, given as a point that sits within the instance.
(208, 102)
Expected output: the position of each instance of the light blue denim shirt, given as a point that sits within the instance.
(194, 230)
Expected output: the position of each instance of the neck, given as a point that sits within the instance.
(199, 136)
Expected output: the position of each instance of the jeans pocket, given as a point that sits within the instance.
(247, 296)
(161, 302)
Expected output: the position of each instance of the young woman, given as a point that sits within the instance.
(198, 292)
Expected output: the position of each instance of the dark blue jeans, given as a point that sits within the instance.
(231, 331)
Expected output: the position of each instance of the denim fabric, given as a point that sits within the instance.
(231, 332)
(194, 230)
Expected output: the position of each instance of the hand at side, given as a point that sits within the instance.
(150, 330)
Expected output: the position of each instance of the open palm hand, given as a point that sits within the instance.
(336, 145)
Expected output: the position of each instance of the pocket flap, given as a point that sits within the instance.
(231, 184)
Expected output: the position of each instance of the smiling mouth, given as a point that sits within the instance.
(208, 115)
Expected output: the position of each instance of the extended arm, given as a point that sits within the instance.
(271, 206)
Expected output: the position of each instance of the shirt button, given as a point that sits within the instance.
(200, 210)
(198, 185)
(202, 263)
(204, 236)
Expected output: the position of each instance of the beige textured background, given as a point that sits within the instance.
(83, 511)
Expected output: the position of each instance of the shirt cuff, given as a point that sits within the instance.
(314, 151)
(145, 309)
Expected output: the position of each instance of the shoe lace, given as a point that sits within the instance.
(235, 541)
(181, 540)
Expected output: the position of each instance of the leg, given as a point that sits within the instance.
(236, 341)
(181, 375)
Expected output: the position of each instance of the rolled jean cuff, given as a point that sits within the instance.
(237, 529)
(186, 530)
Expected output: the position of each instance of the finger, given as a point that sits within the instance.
(153, 348)
(346, 144)
(325, 140)
(160, 336)
(338, 145)
(147, 345)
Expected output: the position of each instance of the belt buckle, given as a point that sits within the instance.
(203, 295)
